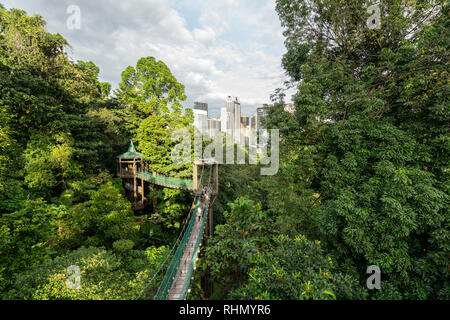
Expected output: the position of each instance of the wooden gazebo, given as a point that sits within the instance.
(128, 164)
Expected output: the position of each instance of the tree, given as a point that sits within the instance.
(297, 269)
(154, 135)
(92, 73)
(104, 218)
(252, 259)
(102, 276)
(236, 243)
(149, 89)
(370, 108)
(27, 237)
(152, 96)
(48, 163)
(59, 130)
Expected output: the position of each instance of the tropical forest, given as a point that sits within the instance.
(93, 207)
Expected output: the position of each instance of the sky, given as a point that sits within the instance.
(215, 48)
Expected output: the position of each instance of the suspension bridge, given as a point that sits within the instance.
(134, 170)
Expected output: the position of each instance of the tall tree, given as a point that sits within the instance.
(149, 89)
(152, 96)
(371, 110)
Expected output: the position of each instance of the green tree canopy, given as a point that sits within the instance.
(149, 89)
(371, 136)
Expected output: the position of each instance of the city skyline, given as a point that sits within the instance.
(232, 122)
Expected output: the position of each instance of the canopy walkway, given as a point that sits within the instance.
(176, 281)
(132, 168)
(168, 182)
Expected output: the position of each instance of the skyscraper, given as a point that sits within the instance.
(223, 119)
(214, 126)
(237, 120)
(260, 113)
(201, 117)
(233, 112)
(244, 129)
(244, 120)
(256, 124)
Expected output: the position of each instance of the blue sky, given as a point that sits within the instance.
(215, 48)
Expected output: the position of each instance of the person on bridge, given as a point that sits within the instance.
(204, 199)
(206, 192)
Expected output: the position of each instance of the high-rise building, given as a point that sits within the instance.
(214, 126)
(230, 116)
(233, 112)
(245, 129)
(201, 117)
(260, 113)
(230, 120)
(237, 121)
(256, 124)
(244, 120)
(223, 119)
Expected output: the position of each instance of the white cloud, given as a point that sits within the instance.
(215, 48)
(205, 36)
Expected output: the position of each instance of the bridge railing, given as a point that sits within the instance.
(169, 181)
(167, 281)
(193, 260)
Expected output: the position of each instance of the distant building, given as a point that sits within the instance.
(230, 121)
(237, 120)
(233, 111)
(201, 117)
(256, 124)
(244, 120)
(230, 124)
(230, 118)
(245, 129)
(223, 119)
(260, 113)
(214, 126)
(253, 122)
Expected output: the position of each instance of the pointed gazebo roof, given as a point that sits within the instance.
(131, 153)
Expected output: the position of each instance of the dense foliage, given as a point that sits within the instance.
(363, 177)
(104, 275)
(369, 138)
(60, 130)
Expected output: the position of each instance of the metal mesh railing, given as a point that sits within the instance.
(190, 270)
(167, 181)
(170, 276)
(174, 264)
